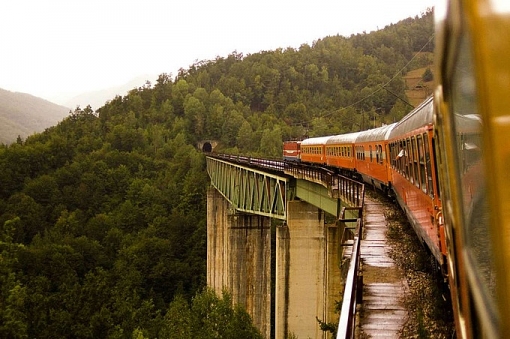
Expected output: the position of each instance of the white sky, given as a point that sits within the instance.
(57, 48)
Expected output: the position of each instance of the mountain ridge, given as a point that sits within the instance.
(23, 114)
(97, 98)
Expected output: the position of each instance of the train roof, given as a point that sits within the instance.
(348, 138)
(315, 141)
(376, 134)
(418, 117)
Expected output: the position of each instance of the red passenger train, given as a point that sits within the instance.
(398, 159)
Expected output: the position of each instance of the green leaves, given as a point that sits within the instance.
(208, 316)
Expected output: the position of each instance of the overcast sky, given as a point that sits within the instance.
(58, 48)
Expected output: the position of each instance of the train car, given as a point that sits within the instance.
(371, 149)
(313, 150)
(340, 153)
(414, 179)
(472, 104)
(292, 150)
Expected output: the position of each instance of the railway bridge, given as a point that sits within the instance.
(276, 234)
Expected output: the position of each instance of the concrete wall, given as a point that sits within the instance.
(239, 258)
(306, 272)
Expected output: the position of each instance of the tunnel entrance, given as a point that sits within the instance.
(207, 147)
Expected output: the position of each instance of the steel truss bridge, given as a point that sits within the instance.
(263, 186)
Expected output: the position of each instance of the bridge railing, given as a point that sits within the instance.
(271, 164)
(354, 280)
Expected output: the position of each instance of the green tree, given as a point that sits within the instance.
(427, 75)
(208, 316)
(13, 320)
(271, 142)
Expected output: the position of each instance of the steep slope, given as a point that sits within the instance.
(24, 114)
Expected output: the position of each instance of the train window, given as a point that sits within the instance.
(410, 160)
(398, 157)
(428, 164)
(370, 148)
(406, 159)
(403, 156)
(393, 154)
(415, 162)
(421, 157)
(470, 174)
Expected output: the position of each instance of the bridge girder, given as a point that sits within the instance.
(250, 190)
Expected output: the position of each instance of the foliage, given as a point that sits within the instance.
(427, 75)
(103, 216)
(208, 316)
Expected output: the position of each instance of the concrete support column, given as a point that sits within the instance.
(301, 272)
(334, 274)
(239, 258)
(217, 241)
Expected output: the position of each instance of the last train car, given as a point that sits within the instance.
(472, 115)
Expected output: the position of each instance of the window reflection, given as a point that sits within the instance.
(468, 129)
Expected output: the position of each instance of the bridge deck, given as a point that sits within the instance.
(382, 312)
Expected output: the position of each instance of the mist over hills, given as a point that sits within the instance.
(98, 98)
(24, 114)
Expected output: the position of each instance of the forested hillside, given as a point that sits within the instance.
(104, 215)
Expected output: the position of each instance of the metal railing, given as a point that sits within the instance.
(354, 280)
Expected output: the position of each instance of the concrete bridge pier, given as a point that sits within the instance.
(308, 279)
(239, 258)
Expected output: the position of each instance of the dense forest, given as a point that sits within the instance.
(103, 216)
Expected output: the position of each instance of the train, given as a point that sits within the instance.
(447, 162)
(398, 159)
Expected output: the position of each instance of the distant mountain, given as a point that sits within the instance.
(97, 99)
(24, 114)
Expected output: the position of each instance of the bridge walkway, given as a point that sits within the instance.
(382, 313)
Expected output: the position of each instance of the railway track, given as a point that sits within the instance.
(402, 296)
